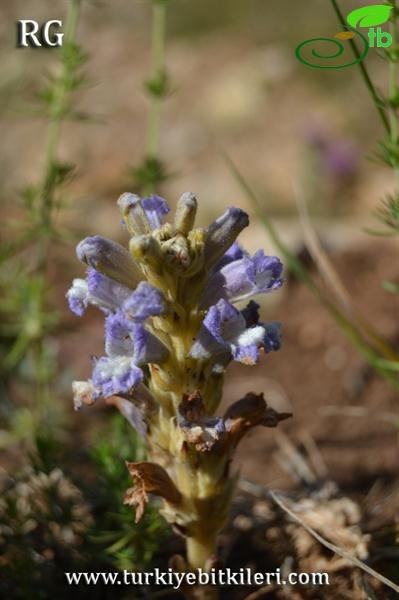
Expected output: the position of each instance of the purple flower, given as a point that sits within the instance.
(118, 375)
(146, 301)
(240, 279)
(155, 208)
(197, 269)
(78, 296)
(127, 338)
(235, 252)
(105, 290)
(128, 346)
(225, 334)
(109, 295)
(109, 258)
(341, 160)
(338, 156)
(97, 289)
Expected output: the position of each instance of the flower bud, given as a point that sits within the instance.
(145, 249)
(109, 258)
(222, 233)
(185, 213)
(133, 214)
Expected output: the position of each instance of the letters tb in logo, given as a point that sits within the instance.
(30, 33)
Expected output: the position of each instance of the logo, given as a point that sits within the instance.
(30, 33)
(368, 16)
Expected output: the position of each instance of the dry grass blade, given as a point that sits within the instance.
(292, 461)
(355, 561)
(324, 265)
(314, 454)
(335, 284)
(360, 412)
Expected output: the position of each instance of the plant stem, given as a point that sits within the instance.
(47, 189)
(366, 77)
(56, 116)
(199, 551)
(393, 90)
(157, 75)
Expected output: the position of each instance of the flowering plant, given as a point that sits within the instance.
(171, 329)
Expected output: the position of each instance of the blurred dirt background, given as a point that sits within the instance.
(236, 87)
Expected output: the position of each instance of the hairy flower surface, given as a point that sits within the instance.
(243, 277)
(226, 334)
(171, 330)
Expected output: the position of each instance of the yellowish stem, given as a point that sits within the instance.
(199, 551)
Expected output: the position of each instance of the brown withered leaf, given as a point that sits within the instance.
(248, 412)
(192, 407)
(149, 478)
(272, 418)
(136, 496)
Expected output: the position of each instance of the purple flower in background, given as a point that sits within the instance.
(339, 156)
(341, 159)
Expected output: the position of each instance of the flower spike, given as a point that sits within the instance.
(171, 330)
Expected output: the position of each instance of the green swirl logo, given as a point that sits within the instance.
(368, 16)
(337, 44)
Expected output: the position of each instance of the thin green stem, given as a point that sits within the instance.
(369, 84)
(57, 110)
(56, 116)
(392, 91)
(157, 75)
